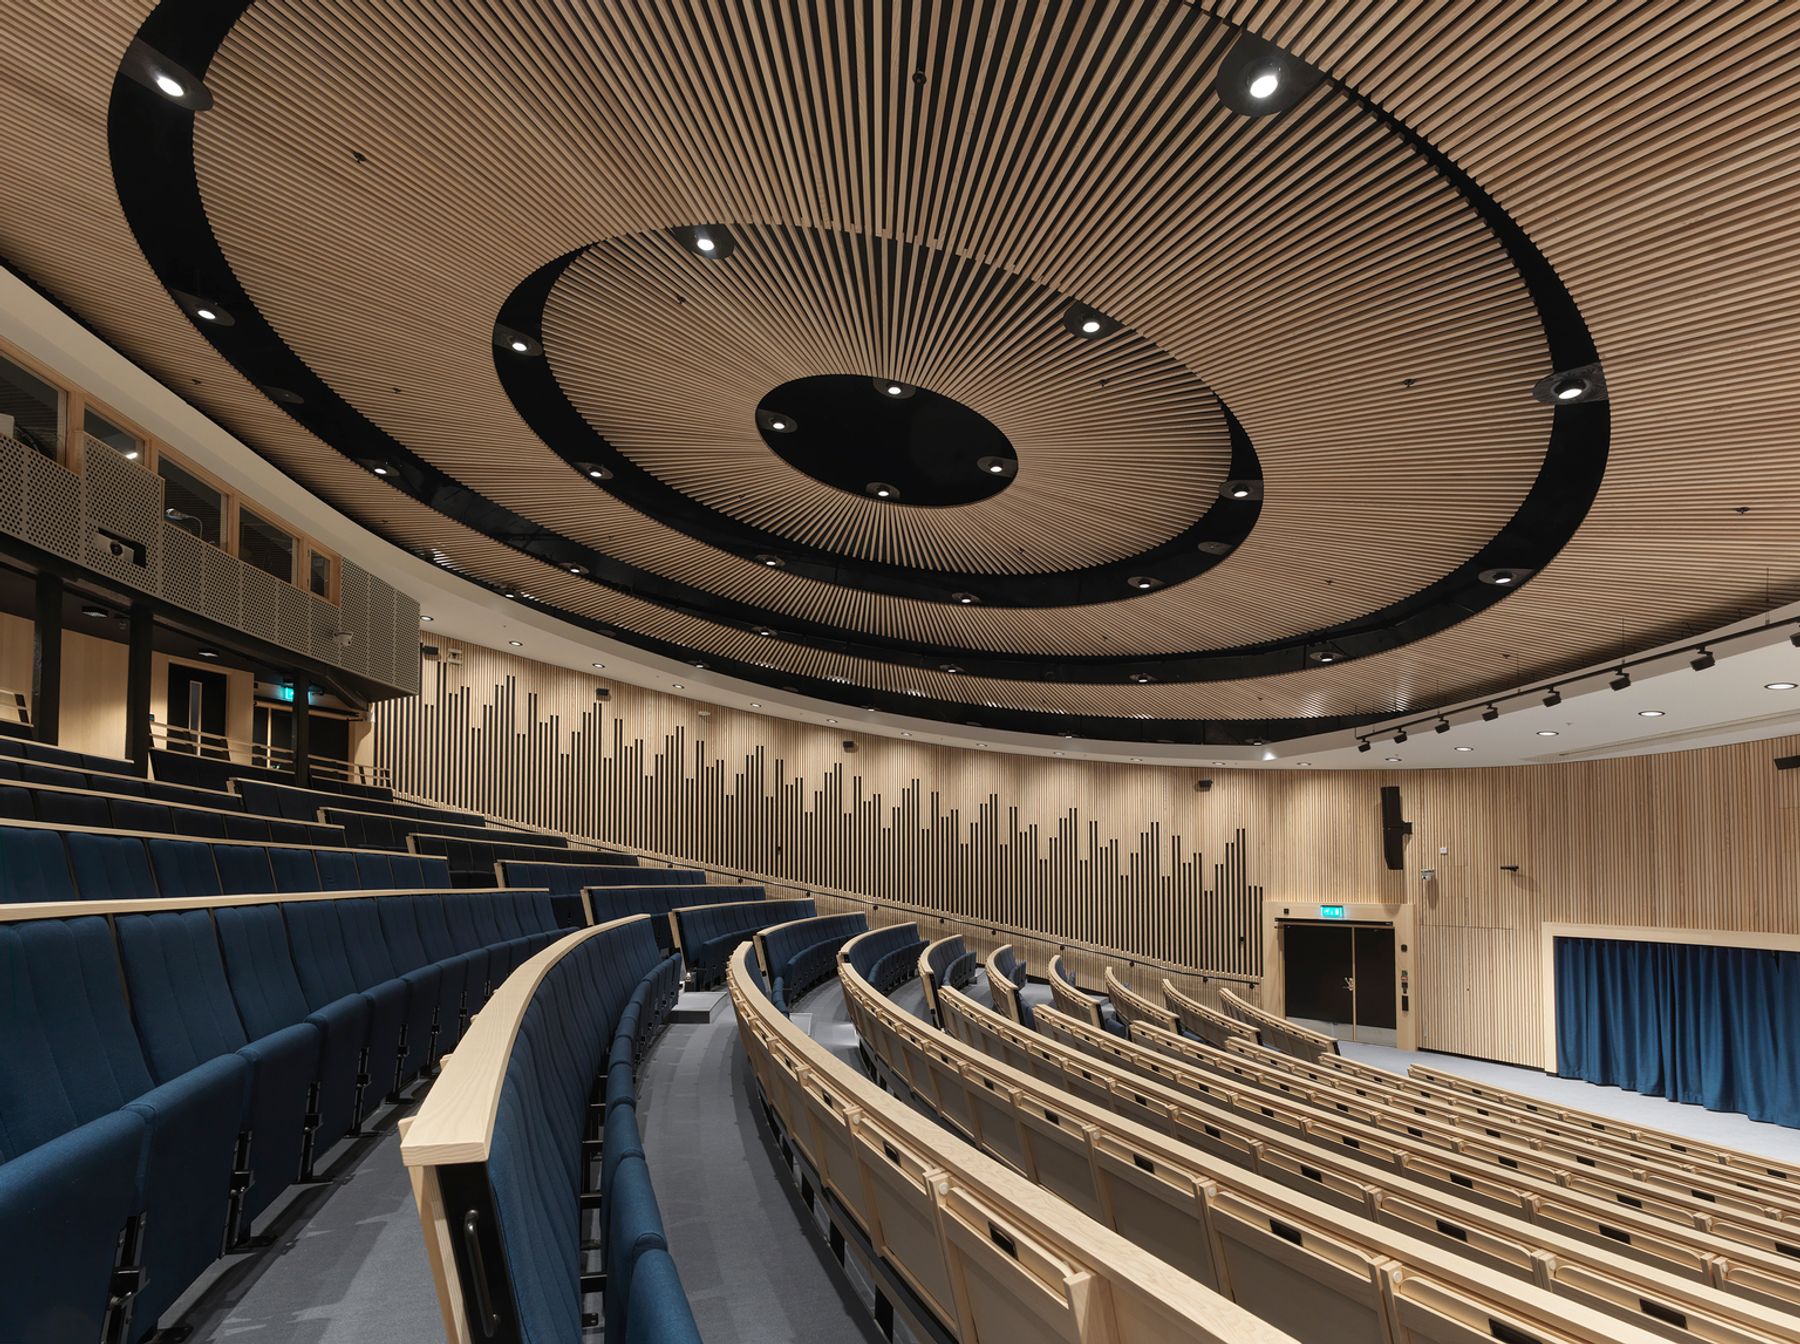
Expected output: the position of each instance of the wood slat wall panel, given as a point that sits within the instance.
(1129, 857)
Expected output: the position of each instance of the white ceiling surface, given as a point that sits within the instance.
(1727, 703)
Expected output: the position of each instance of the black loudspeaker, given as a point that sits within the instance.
(1394, 830)
(1787, 762)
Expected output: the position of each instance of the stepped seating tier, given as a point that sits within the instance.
(1133, 1007)
(1277, 1033)
(1206, 1023)
(273, 798)
(801, 954)
(1070, 998)
(43, 863)
(1302, 1246)
(472, 860)
(568, 883)
(706, 934)
(503, 1149)
(22, 771)
(59, 806)
(169, 1066)
(945, 962)
(212, 772)
(1005, 974)
(886, 957)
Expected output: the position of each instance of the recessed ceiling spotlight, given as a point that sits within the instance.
(1264, 84)
(882, 490)
(1241, 490)
(714, 242)
(427, 618)
(517, 644)
(381, 471)
(1443, 726)
(1144, 582)
(1088, 323)
(1548, 732)
(1091, 327)
(96, 612)
(1566, 387)
(677, 686)
(1779, 685)
(1553, 698)
(756, 704)
(1620, 682)
(949, 667)
(516, 342)
(1650, 713)
(763, 630)
(997, 466)
(892, 388)
(171, 86)
(1363, 745)
(1465, 748)
(1391, 760)
(518, 346)
(207, 653)
(772, 561)
(778, 424)
(964, 599)
(1214, 547)
(595, 472)
(1491, 713)
(831, 721)
(1703, 661)
(1400, 737)
(1510, 577)
(1259, 79)
(1142, 678)
(697, 663)
(599, 665)
(511, 593)
(577, 570)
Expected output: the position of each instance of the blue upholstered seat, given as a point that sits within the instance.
(657, 1311)
(373, 966)
(110, 867)
(323, 965)
(337, 870)
(244, 870)
(634, 1226)
(33, 866)
(293, 869)
(184, 868)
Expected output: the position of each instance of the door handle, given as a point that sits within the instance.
(1350, 983)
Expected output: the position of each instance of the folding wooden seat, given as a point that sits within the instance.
(1298, 1278)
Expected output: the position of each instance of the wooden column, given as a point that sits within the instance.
(46, 659)
(137, 687)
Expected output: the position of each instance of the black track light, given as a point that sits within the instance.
(1704, 661)
(1443, 726)
(1794, 639)
(1400, 737)
(1553, 699)
(1491, 713)
(1622, 681)
(1363, 745)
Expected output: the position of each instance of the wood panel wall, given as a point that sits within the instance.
(1129, 857)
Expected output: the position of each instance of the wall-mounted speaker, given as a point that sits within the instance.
(1394, 828)
(601, 693)
(1202, 786)
(849, 745)
(1787, 762)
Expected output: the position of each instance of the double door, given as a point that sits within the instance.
(1341, 975)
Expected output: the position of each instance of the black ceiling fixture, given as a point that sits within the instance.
(1089, 323)
(714, 242)
(1259, 79)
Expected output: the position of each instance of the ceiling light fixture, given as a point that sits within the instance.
(599, 665)
(1443, 726)
(1241, 490)
(1569, 389)
(948, 667)
(1622, 681)
(96, 612)
(1391, 760)
(882, 490)
(996, 466)
(1704, 661)
(964, 599)
(1091, 327)
(763, 630)
(1144, 582)
(1565, 387)
(1553, 699)
(1400, 737)
(131, 455)
(1090, 324)
(710, 242)
(1264, 84)
(1465, 748)
(208, 653)
(1548, 732)
(1142, 678)
(171, 86)
(1650, 713)
(1491, 713)
(677, 686)
(772, 561)
(895, 389)
(1779, 685)
(427, 618)
(381, 471)
(577, 570)
(1363, 745)
(516, 643)
(518, 346)
(704, 243)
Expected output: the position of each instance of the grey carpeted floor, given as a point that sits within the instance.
(1695, 1122)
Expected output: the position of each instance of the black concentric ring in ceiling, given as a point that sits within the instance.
(151, 145)
(849, 430)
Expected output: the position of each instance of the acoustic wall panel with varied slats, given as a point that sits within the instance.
(1130, 857)
(52, 507)
(125, 502)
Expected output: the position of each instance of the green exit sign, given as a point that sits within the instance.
(1331, 912)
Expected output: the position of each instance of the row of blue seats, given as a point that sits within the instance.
(615, 892)
(571, 1082)
(164, 1076)
(609, 903)
(803, 953)
(208, 771)
(14, 770)
(124, 812)
(888, 957)
(25, 748)
(708, 934)
(572, 877)
(42, 864)
(472, 861)
(380, 830)
(273, 799)
(951, 963)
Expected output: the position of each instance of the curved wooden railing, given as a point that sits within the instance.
(988, 1254)
(1133, 1007)
(1383, 1258)
(947, 961)
(1004, 992)
(1072, 999)
(1277, 1032)
(1208, 1023)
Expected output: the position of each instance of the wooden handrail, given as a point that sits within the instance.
(18, 703)
(17, 911)
(260, 755)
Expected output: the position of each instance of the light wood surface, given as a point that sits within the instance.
(12, 912)
(455, 1122)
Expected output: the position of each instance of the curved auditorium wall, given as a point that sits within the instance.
(1127, 856)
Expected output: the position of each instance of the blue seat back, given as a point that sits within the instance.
(293, 869)
(179, 993)
(365, 946)
(184, 868)
(435, 933)
(73, 809)
(399, 917)
(110, 867)
(244, 870)
(33, 866)
(373, 873)
(141, 814)
(320, 958)
(337, 870)
(259, 966)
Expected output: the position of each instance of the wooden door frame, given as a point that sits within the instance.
(1406, 951)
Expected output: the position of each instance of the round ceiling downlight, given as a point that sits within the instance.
(1264, 84)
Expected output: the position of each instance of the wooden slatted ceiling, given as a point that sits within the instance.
(1660, 190)
(676, 394)
(1291, 258)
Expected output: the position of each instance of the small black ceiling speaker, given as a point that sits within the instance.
(1787, 762)
(1202, 786)
(1394, 829)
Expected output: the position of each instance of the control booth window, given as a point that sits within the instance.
(265, 545)
(319, 567)
(190, 503)
(31, 410)
(126, 444)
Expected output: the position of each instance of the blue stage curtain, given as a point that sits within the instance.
(1716, 1026)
